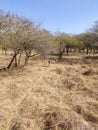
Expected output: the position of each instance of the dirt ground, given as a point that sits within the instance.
(55, 96)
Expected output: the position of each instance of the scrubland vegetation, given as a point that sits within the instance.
(47, 81)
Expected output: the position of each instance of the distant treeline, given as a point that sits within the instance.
(21, 35)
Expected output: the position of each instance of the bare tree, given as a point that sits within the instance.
(22, 35)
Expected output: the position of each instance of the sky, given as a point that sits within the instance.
(68, 16)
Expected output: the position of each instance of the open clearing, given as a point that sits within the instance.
(59, 96)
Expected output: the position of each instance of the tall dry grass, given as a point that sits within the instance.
(58, 96)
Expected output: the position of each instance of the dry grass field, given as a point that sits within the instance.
(59, 96)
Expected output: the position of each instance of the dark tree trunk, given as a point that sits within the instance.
(60, 54)
(87, 50)
(16, 62)
(67, 50)
(13, 58)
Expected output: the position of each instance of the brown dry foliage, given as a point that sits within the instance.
(58, 96)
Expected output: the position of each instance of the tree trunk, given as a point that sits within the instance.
(26, 57)
(87, 50)
(14, 56)
(60, 56)
(19, 59)
(16, 61)
(67, 50)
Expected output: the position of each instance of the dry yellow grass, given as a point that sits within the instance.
(59, 96)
